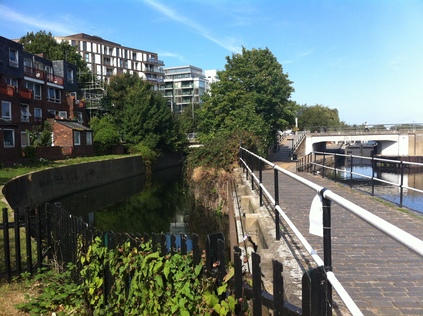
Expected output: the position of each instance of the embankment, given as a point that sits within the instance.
(46, 185)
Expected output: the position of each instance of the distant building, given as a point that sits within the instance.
(106, 59)
(184, 86)
(211, 76)
(32, 90)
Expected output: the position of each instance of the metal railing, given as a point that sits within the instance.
(327, 196)
(319, 162)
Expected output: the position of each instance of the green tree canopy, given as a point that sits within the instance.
(106, 133)
(44, 43)
(317, 117)
(252, 97)
(142, 114)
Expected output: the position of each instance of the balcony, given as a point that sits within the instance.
(5, 89)
(25, 93)
(34, 73)
(155, 61)
(55, 79)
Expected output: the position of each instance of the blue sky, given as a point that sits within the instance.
(363, 57)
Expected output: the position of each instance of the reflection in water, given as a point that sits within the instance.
(164, 205)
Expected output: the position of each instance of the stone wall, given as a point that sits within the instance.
(46, 185)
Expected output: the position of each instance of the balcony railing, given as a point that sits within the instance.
(34, 73)
(156, 61)
(25, 93)
(54, 79)
(5, 89)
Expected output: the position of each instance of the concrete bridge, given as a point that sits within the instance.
(385, 143)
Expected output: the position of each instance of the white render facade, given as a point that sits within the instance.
(106, 59)
(184, 86)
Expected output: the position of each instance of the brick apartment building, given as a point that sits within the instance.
(34, 89)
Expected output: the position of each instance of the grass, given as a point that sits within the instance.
(14, 293)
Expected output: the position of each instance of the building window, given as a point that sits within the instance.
(54, 95)
(38, 114)
(63, 114)
(79, 117)
(24, 139)
(87, 57)
(8, 138)
(76, 138)
(13, 57)
(6, 110)
(89, 138)
(35, 88)
(70, 75)
(12, 82)
(84, 45)
(25, 112)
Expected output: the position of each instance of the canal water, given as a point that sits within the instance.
(360, 178)
(136, 205)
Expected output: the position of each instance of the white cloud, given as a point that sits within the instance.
(228, 43)
(38, 22)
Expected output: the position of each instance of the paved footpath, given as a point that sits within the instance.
(381, 275)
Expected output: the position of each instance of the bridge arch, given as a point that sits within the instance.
(387, 144)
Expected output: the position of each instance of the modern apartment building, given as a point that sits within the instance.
(105, 59)
(184, 86)
(34, 89)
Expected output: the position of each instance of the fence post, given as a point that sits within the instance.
(314, 293)
(195, 249)
(314, 163)
(237, 272)
(256, 285)
(17, 242)
(28, 240)
(261, 181)
(373, 176)
(323, 167)
(252, 171)
(6, 245)
(277, 221)
(39, 238)
(183, 244)
(336, 169)
(402, 182)
(327, 242)
(351, 171)
(278, 290)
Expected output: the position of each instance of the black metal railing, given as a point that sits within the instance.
(51, 233)
(327, 165)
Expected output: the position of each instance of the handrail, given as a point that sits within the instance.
(352, 307)
(394, 232)
(399, 162)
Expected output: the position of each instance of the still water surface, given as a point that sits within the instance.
(135, 206)
(412, 179)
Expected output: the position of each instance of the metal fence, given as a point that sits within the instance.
(325, 162)
(51, 233)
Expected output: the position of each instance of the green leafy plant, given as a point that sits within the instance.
(143, 283)
(57, 293)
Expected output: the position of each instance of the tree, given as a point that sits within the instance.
(252, 97)
(106, 133)
(44, 43)
(142, 114)
(317, 117)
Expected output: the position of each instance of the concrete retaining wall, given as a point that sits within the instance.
(47, 185)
